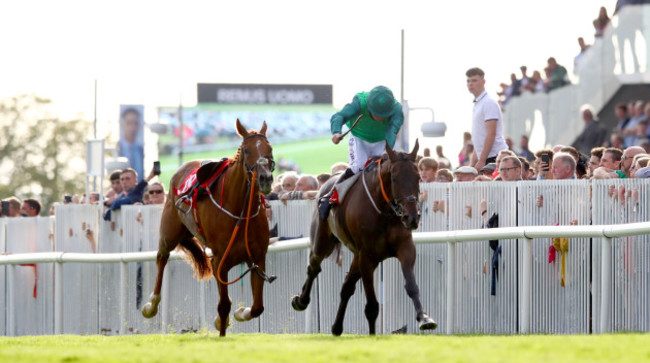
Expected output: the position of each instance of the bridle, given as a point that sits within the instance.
(397, 206)
(262, 161)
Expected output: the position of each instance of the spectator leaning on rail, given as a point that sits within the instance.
(306, 188)
(487, 128)
(381, 118)
(627, 157)
(510, 168)
(132, 189)
(30, 208)
(564, 166)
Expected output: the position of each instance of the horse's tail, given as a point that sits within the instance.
(197, 258)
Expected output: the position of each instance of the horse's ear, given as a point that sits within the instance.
(241, 130)
(390, 152)
(414, 153)
(263, 130)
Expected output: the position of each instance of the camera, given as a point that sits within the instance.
(156, 167)
(5, 208)
(67, 199)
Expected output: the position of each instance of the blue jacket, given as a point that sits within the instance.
(134, 196)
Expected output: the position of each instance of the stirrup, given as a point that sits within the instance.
(181, 206)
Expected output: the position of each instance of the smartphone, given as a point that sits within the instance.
(156, 167)
(545, 160)
(67, 199)
(5, 207)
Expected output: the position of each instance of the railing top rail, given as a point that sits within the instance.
(607, 231)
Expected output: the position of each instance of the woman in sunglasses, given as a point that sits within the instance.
(156, 193)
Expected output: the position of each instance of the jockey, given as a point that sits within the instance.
(380, 120)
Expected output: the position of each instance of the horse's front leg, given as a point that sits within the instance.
(406, 257)
(346, 292)
(367, 269)
(257, 287)
(223, 309)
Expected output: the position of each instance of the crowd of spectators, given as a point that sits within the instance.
(124, 190)
(554, 75)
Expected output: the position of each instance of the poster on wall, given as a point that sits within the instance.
(131, 143)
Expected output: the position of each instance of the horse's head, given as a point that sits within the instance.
(405, 185)
(257, 155)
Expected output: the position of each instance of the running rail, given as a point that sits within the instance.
(607, 232)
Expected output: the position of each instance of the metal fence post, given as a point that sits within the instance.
(123, 284)
(451, 286)
(526, 286)
(606, 281)
(58, 297)
(202, 314)
(11, 303)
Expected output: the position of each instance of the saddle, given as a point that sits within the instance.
(197, 185)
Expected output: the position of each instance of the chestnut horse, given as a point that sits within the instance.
(374, 221)
(233, 200)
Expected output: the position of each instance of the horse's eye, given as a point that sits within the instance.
(245, 150)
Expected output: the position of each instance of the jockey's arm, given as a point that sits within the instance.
(347, 113)
(394, 125)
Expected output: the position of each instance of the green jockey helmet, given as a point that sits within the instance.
(381, 101)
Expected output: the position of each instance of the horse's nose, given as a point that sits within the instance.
(266, 178)
(410, 221)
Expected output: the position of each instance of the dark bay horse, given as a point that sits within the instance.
(232, 201)
(374, 221)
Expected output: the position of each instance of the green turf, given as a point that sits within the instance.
(208, 347)
(312, 156)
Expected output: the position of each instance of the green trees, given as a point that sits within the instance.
(40, 155)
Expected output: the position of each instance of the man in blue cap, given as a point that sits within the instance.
(379, 117)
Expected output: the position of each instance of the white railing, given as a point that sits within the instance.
(84, 292)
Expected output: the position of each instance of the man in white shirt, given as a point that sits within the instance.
(487, 124)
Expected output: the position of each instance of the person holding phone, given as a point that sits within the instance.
(487, 124)
(544, 163)
(132, 188)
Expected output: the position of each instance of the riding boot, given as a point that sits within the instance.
(324, 204)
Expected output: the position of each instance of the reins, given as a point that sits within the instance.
(234, 234)
(250, 194)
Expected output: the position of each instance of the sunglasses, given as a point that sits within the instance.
(155, 192)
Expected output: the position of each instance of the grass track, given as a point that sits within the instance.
(257, 348)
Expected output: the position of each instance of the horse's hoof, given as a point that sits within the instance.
(149, 310)
(243, 314)
(337, 330)
(297, 305)
(217, 322)
(427, 323)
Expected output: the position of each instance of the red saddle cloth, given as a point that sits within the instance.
(188, 183)
(200, 180)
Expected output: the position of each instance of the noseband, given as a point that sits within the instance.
(397, 206)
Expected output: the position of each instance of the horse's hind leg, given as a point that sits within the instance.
(406, 257)
(347, 290)
(322, 247)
